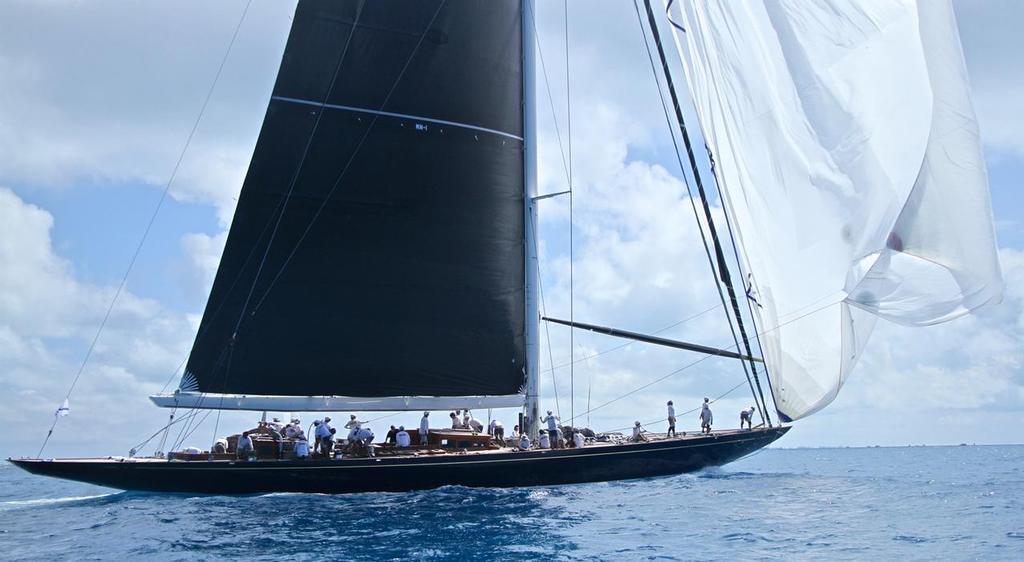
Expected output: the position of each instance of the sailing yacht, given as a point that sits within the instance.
(383, 253)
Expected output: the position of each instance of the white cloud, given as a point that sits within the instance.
(47, 320)
(107, 93)
(990, 33)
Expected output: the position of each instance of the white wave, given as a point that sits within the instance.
(46, 501)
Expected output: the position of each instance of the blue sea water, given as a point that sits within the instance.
(916, 503)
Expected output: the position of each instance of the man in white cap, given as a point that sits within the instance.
(424, 428)
(706, 418)
(747, 416)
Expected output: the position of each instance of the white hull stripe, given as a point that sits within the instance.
(399, 115)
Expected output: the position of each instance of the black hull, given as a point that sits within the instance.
(400, 474)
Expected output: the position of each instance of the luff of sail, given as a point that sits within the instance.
(849, 160)
(386, 258)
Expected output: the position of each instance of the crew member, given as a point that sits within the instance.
(747, 416)
(497, 431)
(327, 442)
(524, 442)
(638, 433)
(552, 421)
(456, 422)
(578, 440)
(352, 425)
(671, 420)
(474, 424)
(365, 436)
(706, 418)
(245, 447)
(424, 428)
(402, 437)
(321, 432)
(389, 439)
(543, 441)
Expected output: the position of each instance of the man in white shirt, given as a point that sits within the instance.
(578, 440)
(543, 441)
(352, 425)
(706, 418)
(293, 429)
(638, 433)
(747, 416)
(321, 432)
(244, 448)
(524, 442)
(456, 421)
(671, 420)
(402, 438)
(316, 436)
(497, 431)
(365, 436)
(552, 421)
(424, 428)
(475, 425)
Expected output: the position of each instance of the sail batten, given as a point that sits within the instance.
(849, 161)
(393, 264)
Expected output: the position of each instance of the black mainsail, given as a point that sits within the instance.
(378, 244)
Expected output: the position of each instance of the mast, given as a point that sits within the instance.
(532, 408)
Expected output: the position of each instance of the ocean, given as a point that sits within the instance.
(913, 503)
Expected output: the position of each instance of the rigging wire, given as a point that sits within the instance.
(723, 267)
(690, 411)
(152, 220)
(568, 119)
(298, 170)
(629, 343)
(689, 191)
(547, 85)
(348, 164)
(702, 359)
(543, 308)
(728, 221)
(337, 181)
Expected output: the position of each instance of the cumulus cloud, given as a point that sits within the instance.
(106, 93)
(990, 33)
(48, 318)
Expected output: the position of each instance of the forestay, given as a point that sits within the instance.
(848, 156)
(378, 245)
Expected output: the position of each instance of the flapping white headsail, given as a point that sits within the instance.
(848, 154)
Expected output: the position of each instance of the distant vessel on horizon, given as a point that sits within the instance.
(383, 254)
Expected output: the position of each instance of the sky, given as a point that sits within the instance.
(97, 100)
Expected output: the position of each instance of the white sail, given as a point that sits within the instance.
(848, 154)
